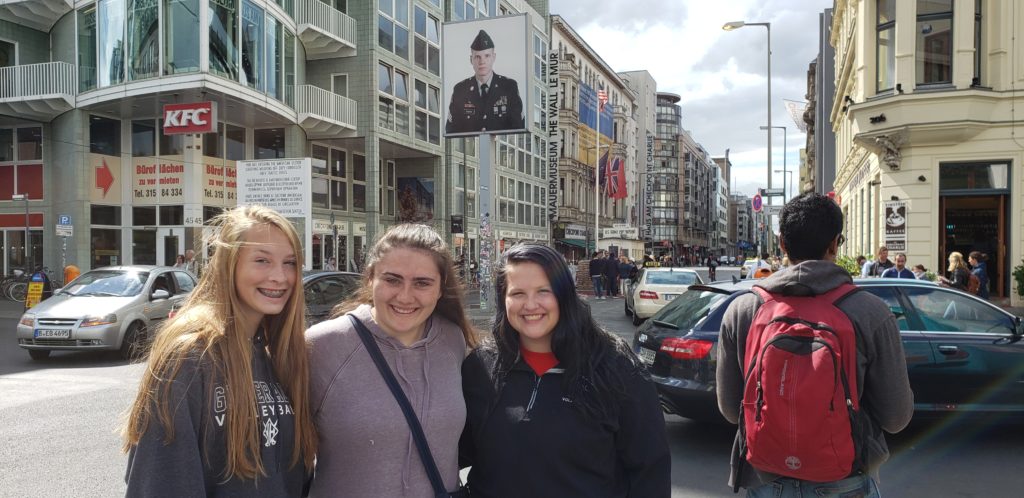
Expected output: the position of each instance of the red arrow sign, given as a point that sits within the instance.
(104, 178)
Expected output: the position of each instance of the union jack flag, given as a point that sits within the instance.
(617, 180)
(602, 97)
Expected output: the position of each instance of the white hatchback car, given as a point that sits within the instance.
(111, 308)
(656, 287)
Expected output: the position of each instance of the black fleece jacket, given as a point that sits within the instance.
(529, 439)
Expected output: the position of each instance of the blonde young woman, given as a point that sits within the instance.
(959, 273)
(222, 408)
(411, 303)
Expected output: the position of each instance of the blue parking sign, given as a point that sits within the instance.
(63, 219)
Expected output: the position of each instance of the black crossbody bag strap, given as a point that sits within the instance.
(410, 416)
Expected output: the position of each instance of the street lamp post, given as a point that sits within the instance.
(24, 197)
(785, 152)
(729, 26)
(785, 177)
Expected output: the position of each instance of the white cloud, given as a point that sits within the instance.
(719, 75)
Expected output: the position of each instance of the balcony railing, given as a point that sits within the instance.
(38, 91)
(325, 114)
(325, 31)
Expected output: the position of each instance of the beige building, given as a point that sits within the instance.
(925, 120)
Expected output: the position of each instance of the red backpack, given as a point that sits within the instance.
(800, 402)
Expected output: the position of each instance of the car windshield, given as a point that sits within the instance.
(117, 283)
(671, 278)
(689, 308)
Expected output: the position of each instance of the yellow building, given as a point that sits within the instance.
(928, 117)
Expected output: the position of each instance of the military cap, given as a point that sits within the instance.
(482, 41)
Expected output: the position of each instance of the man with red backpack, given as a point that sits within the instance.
(811, 369)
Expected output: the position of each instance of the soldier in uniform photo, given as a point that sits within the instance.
(486, 100)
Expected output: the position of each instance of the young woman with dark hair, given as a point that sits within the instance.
(557, 406)
(223, 405)
(979, 268)
(411, 304)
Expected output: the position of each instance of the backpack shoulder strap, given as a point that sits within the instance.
(839, 293)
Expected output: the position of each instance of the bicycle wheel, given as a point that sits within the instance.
(18, 291)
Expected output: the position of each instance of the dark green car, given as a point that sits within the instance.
(963, 353)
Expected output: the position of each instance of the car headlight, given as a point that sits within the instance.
(92, 321)
(28, 320)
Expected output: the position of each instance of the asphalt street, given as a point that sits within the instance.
(59, 420)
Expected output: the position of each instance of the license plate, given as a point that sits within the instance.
(668, 297)
(53, 333)
(647, 356)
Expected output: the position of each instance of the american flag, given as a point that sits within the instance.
(602, 97)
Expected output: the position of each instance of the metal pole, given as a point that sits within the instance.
(597, 176)
(768, 27)
(465, 213)
(28, 237)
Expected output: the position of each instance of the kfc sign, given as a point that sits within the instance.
(199, 117)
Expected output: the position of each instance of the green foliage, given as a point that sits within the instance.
(930, 276)
(849, 264)
(1018, 278)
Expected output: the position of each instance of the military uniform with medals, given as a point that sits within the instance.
(497, 107)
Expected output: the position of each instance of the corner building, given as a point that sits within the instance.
(355, 85)
(924, 115)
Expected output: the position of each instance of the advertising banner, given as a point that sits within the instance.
(219, 181)
(485, 63)
(106, 185)
(896, 226)
(158, 180)
(588, 124)
(281, 184)
(648, 197)
(553, 137)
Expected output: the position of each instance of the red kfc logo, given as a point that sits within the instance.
(200, 117)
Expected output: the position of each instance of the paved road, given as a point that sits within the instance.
(58, 422)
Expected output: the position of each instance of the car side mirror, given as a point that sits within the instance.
(159, 294)
(1019, 329)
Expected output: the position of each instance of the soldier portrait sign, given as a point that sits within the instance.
(486, 80)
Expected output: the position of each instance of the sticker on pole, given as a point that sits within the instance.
(756, 203)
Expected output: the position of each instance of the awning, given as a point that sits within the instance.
(582, 244)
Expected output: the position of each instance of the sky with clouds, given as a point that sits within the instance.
(720, 75)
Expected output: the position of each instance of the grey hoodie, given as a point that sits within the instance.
(366, 449)
(882, 381)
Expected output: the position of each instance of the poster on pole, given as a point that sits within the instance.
(485, 69)
(284, 185)
(896, 226)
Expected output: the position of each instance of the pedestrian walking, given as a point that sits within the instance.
(626, 271)
(409, 310)
(611, 275)
(332, 264)
(979, 268)
(879, 265)
(769, 459)
(712, 266)
(179, 262)
(191, 263)
(899, 270)
(959, 275)
(557, 406)
(223, 405)
(920, 272)
(597, 274)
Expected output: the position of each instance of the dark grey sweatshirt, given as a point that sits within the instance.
(193, 463)
(882, 381)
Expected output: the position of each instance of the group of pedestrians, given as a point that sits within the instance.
(611, 274)
(972, 278)
(395, 393)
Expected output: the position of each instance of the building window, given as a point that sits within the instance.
(358, 183)
(181, 36)
(428, 117)
(393, 99)
(427, 51)
(235, 143)
(252, 46)
(223, 34)
(268, 143)
(111, 41)
(87, 49)
(104, 136)
(934, 42)
(143, 39)
(393, 27)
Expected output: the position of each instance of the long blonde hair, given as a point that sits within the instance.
(206, 329)
(425, 239)
(956, 260)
